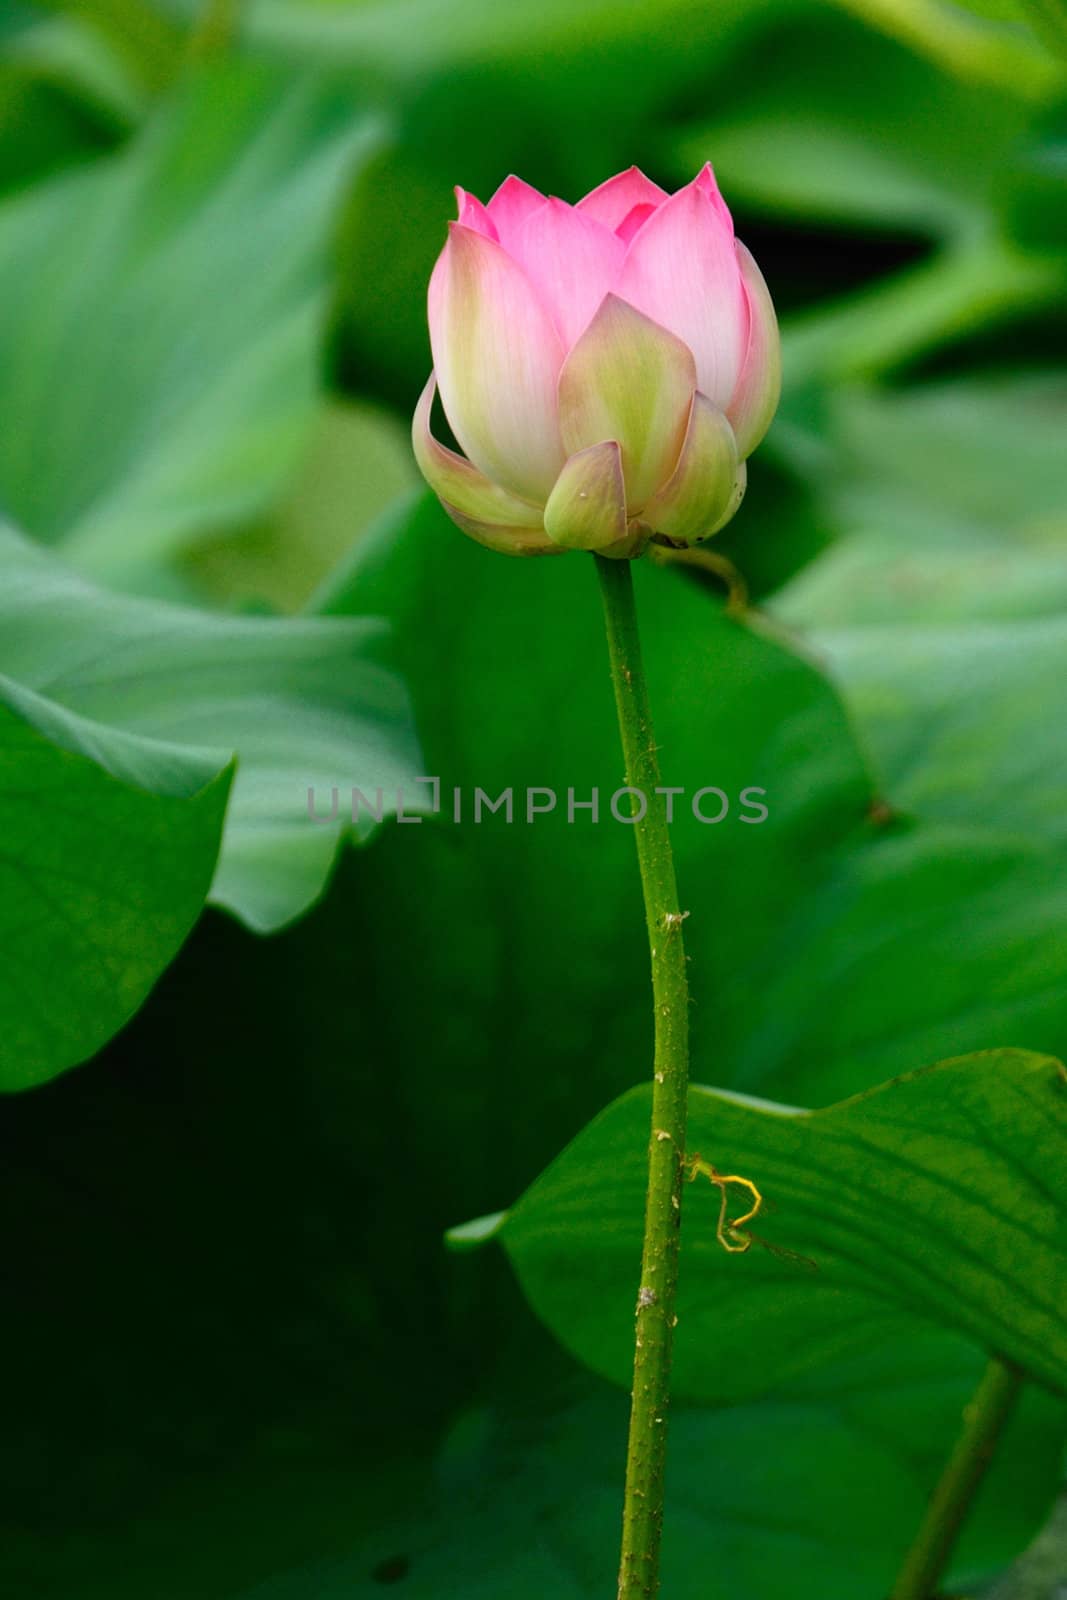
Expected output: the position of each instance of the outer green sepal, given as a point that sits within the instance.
(587, 507)
(630, 380)
(460, 485)
(693, 501)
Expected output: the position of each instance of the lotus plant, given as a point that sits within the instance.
(607, 367)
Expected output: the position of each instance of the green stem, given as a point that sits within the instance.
(647, 1449)
(984, 1420)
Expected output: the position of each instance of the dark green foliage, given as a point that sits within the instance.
(241, 1363)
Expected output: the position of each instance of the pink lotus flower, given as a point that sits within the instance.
(607, 367)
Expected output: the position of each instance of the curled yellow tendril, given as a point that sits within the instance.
(730, 1231)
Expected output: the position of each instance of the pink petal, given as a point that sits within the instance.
(705, 181)
(681, 271)
(572, 261)
(472, 214)
(630, 380)
(632, 221)
(755, 399)
(614, 200)
(509, 208)
(497, 357)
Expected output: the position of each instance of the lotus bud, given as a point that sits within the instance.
(606, 367)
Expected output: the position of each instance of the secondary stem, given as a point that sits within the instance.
(984, 1420)
(646, 1452)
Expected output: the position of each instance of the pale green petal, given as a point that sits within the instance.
(453, 479)
(587, 507)
(506, 541)
(694, 498)
(629, 380)
(737, 494)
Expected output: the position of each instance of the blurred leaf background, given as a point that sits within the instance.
(238, 1360)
